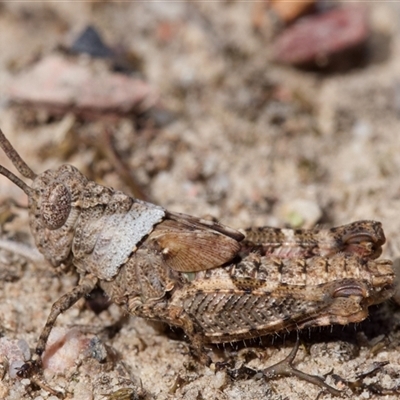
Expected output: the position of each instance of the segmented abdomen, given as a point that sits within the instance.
(223, 315)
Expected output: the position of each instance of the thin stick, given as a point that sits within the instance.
(31, 253)
(112, 154)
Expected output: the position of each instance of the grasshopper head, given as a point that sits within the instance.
(54, 210)
(53, 204)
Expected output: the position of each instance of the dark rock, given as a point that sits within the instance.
(90, 42)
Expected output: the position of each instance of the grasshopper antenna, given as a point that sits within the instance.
(18, 162)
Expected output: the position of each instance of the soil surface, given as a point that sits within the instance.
(234, 136)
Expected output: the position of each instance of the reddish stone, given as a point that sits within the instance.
(318, 38)
(288, 11)
(64, 84)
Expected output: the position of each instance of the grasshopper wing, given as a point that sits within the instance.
(190, 244)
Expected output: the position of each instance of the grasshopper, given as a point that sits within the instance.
(216, 283)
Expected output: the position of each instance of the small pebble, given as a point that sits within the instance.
(15, 367)
(63, 349)
(16, 352)
(97, 350)
(289, 11)
(24, 347)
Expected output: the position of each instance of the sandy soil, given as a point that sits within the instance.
(250, 143)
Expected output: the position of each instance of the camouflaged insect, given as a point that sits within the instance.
(216, 283)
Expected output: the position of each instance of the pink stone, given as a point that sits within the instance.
(317, 38)
(63, 349)
(16, 352)
(59, 82)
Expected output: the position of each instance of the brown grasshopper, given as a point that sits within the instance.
(217, 284)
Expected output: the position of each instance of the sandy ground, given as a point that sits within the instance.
(251, 143)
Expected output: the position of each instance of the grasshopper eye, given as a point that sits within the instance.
(56, 206)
